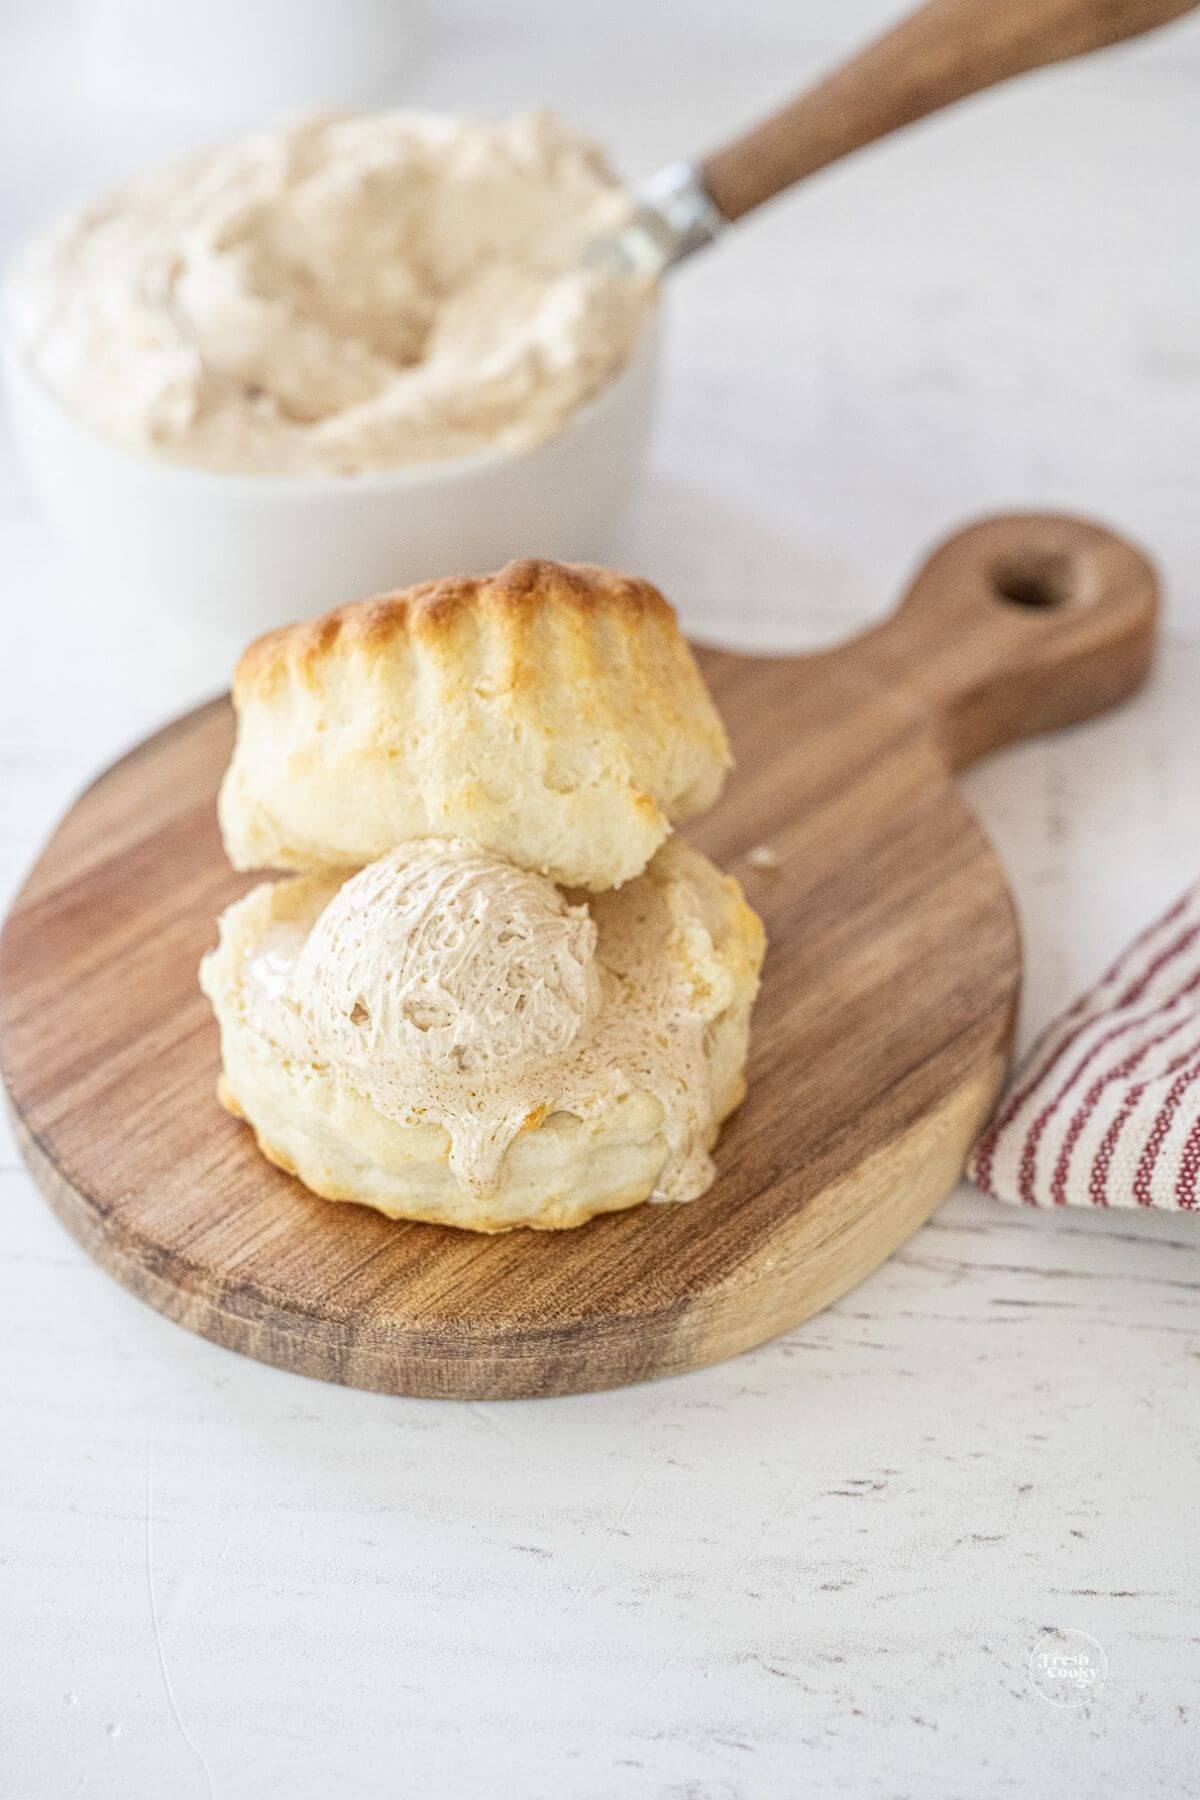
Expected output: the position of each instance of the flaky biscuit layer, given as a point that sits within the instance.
(552, 713)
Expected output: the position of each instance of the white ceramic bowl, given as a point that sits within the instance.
(260, 550)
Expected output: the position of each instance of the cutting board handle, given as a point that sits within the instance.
(1018, 625)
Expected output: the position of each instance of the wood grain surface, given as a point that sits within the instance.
(880, 1038)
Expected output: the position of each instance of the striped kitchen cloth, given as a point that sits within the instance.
(1106, 1109)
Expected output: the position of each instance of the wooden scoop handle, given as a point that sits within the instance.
(1017, 625)
(941, 53)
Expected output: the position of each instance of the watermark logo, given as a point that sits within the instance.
(1067, 1668)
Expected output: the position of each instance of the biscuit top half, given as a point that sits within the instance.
(552, 713)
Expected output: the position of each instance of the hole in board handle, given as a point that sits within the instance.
(1039, 578)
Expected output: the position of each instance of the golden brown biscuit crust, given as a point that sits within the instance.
(430, 609)
(552, 713)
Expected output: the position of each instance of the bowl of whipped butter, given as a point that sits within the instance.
(334, 357)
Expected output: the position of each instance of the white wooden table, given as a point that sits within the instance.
(821, 1569)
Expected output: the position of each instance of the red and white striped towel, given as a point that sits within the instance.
(1106, 1109)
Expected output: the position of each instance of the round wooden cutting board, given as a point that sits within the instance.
(880, 1037)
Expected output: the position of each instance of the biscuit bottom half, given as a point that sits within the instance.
(627, 1113)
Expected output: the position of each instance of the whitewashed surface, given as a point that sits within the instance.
(818, 1570)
